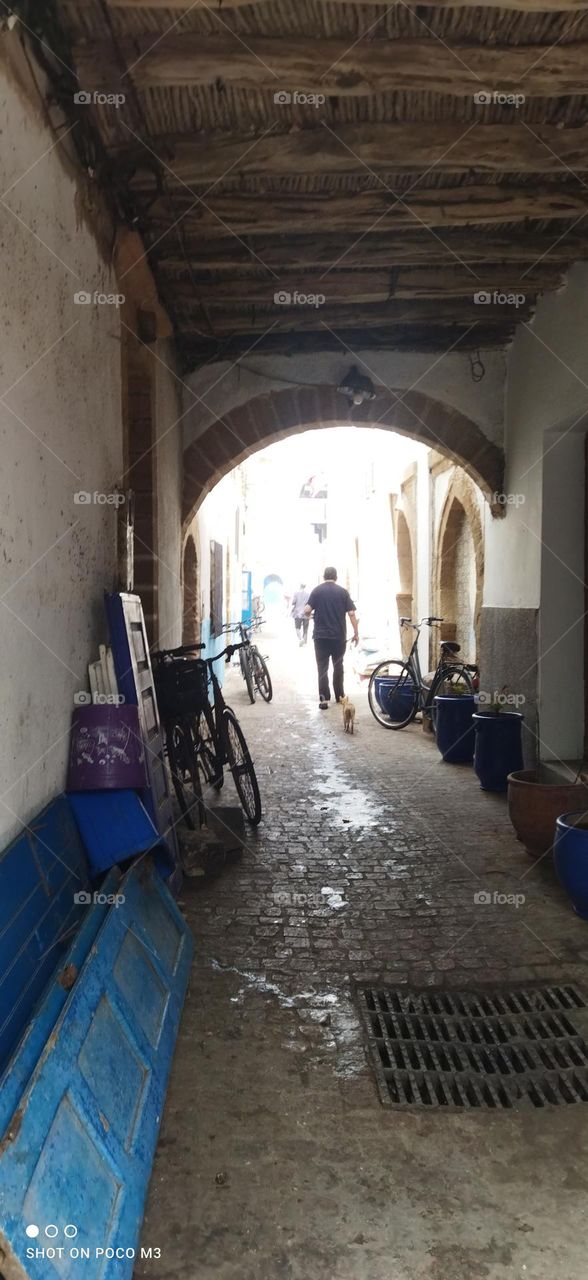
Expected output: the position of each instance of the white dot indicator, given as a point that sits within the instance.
(70, 1231)
(52, 1230)
(32, 1230)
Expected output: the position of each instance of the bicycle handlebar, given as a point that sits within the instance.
(424, 622)
(181, 652)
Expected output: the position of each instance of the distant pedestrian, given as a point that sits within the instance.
(331, 605)
(299, 614)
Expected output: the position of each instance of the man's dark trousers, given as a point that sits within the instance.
(326, 650)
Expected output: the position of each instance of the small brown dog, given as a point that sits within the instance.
(348, 714)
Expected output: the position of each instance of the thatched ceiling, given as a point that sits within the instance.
(396, 197)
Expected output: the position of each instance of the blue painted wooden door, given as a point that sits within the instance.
(76, 1158)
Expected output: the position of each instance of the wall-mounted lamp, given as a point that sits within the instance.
(356, 387)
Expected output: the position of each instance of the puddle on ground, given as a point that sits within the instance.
(328, 1024)
(351, 805)
(334, 898)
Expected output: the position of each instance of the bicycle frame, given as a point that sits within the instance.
(413, 662)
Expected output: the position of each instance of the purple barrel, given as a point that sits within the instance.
(106, 750)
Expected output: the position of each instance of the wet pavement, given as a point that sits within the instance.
(276, 1158)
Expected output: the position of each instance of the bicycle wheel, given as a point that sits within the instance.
(393, 694)
(261, 675)
(207, 756)
(455, 678)
(247, 673)
(185, 774)
(241, 766)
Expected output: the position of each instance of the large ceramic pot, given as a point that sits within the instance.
(454, 728)
(395, 697)
(534, 806)
(570, 855)
(498, 749)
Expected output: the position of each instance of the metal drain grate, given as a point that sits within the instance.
(497, 1048)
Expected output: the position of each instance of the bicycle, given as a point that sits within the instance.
(202, 735)
(395, 704)
(253, 666)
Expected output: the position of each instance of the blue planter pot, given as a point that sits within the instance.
(570, 855)
(498, 749)
(454, 729)
(394, 702)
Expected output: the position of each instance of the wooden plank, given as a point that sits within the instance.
(196, 351)
(350, 287)
(373, 251)
(521, 6)
(448, 147)
(262, 213)
(301, 65)
(289, 319)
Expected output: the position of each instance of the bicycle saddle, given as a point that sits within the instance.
(450, 646)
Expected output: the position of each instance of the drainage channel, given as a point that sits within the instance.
(494, 1048)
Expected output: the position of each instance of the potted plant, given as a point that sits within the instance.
(570, 855)
(536, 798)
(497, 751)
(454, 729)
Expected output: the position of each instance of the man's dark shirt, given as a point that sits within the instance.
(331, 604)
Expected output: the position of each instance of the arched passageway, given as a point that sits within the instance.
(404, 555)
(459, 567)
(190, 612)
(266, 419)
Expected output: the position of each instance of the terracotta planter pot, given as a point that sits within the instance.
(534, 807)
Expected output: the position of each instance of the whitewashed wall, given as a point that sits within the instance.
(60, 434)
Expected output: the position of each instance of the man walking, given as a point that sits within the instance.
(330, 605)
(301, 620)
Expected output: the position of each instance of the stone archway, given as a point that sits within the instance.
(190, 612)
(265, 419)
(459, 567)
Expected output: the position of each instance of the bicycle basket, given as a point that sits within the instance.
(181, 688)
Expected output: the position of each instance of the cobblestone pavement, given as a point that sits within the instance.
(276, 1158)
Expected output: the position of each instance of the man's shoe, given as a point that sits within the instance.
(323, 706)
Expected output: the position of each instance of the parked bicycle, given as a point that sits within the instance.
(202, 734)
(397, 690)
(253, 666)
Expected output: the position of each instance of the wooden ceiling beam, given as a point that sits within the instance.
(448, 147)
(351, 288)
(300, 65)
(301, 253)
(195, 351)
(303, 318)
(263, 213)
(521, 6)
